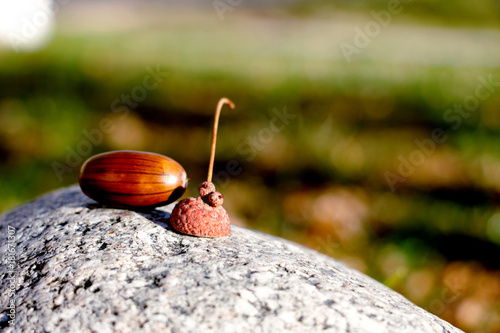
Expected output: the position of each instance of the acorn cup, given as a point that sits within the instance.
(204, 216)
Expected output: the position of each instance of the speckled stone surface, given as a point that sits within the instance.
(82, 267)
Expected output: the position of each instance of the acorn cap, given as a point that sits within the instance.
(194, 217)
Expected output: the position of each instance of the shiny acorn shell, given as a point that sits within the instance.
(133, 179)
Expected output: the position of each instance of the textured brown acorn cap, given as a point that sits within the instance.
(194, 217)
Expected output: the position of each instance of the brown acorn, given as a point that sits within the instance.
(133, 179)
(204, 216)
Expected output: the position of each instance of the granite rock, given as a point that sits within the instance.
(82, 267)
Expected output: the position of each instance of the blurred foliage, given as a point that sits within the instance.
(460, 12)
(318, 177)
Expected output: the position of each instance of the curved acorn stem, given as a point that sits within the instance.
(221, 103)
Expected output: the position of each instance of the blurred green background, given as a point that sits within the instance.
(387, 158)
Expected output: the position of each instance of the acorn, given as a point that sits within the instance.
(133, 179)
